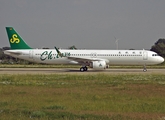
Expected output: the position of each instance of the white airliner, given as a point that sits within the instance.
(96, 59)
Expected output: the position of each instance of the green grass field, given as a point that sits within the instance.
(160, 66)
(82, 97)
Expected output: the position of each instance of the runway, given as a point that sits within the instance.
(76, 71)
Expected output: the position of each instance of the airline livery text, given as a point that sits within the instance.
(49, 55)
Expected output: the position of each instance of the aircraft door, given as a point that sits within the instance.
(145, 55)
(31, 54)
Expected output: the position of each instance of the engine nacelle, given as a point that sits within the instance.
(98, 65)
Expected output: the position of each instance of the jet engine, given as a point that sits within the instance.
(98, 65)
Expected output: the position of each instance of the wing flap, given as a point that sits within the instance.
(86, 60)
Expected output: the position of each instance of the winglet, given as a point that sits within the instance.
(59, 53)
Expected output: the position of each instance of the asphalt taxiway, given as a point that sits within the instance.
(76, 71)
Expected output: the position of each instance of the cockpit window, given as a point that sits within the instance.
(154, 54)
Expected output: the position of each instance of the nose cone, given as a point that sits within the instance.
(160, 59)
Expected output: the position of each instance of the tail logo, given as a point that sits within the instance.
(14, 39)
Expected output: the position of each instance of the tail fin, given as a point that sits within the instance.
(16, 42)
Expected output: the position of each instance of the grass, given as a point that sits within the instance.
(76, 66)
(82, 97)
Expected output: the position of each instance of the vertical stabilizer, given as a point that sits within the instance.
(16, 42)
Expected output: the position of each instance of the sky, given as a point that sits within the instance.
(87, 24)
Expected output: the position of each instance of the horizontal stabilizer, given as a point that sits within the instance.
(12, 52)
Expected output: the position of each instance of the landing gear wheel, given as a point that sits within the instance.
(82, 69)
(144, 69)
(85, 68)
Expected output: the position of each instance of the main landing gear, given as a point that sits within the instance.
(82, 69)
(144, 69)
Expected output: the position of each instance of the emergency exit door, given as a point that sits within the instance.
(145, 55)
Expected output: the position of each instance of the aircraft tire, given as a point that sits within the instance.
(85, 68)
(82, 69)
(144, 70)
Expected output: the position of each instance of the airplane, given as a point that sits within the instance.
(96, 59)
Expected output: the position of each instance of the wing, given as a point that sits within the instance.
(86, 60)
(82, 60)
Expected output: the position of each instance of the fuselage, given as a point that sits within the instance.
(96, 59)
(116, 57)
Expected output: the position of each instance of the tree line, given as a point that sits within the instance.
(158, 47)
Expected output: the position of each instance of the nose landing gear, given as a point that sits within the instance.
(144, 68)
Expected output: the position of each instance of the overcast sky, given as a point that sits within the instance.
(86, 24)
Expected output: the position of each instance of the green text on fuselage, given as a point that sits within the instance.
(48, 55)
